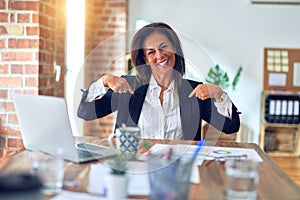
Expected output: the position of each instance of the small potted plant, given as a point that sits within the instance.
(117, 180)
(218, 76)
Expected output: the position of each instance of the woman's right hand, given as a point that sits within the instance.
(117, 84)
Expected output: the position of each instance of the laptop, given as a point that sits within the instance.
(45, 126)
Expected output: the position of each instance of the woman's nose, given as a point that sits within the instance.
(159, 54)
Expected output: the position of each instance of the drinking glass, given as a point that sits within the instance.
(51, 172)
(169, 180)
(242, 178)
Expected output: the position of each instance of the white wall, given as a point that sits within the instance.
(233, 32)
(74, 80)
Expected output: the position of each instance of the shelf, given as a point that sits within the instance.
(281, 125)
(279, 139)
(280, 153)
(279, 117)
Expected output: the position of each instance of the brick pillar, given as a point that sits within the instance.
(104, 19)
(28, 50)
(52, 46)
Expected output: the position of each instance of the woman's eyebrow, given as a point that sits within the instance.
(148, 48)
(162, 44)
(152, 48)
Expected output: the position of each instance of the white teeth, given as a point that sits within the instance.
(163, 63)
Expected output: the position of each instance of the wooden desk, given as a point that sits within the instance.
(274, 183)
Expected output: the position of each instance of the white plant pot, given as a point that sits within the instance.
(116, 186)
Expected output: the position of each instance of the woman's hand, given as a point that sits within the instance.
(205, 91)
(117, 84)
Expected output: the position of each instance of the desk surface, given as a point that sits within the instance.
(274, 183)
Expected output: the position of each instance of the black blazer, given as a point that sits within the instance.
(192, 110)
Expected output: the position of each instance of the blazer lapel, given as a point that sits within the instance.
(136, 104)
(189, 112)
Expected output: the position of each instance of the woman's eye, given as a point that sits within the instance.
(164, 47)
(150, 52)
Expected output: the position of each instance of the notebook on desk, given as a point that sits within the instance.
(45, 126)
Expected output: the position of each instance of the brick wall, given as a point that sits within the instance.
(105, 45)
(32, 40)
(18, 64)
(28, 50)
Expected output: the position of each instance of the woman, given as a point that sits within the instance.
(158, 99)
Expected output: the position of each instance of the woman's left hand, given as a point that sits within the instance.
(205, 91)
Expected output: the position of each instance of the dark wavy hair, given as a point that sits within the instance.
(143, 71)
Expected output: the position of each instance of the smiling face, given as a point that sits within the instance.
(159, 53)
(156, 50)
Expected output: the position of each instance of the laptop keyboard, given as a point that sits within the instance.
(86, 154)
(86, 150)
(90, 151)
(89, 147)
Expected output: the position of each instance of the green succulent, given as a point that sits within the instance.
(118, 164)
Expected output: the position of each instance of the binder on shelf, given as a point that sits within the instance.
(296, 112)
(269, 110)
(277, 110)
(290, 111)
(282, 109)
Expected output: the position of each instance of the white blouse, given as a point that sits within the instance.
(161, 121)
